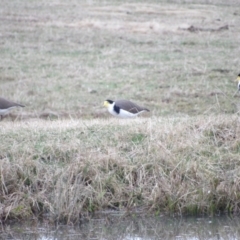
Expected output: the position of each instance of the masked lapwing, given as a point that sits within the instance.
(238, 80)
(124, 108)
(6, 106)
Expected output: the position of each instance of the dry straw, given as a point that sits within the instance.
(71, 168)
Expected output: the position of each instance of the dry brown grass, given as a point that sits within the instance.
(70, 168)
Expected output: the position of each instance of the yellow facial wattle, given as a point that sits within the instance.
(106, 103)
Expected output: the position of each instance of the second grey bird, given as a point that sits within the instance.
(6, 106)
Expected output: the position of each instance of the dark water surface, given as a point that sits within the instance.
(129, 228)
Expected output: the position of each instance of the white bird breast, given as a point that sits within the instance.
(5, 111)
(122, 113)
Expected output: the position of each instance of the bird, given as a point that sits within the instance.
(238, 79)
(124, 108)
(6, 106)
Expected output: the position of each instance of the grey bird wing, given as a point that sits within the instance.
(4, 104)
(130, 106)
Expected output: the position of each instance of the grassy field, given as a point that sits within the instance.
(67, 58)
(62, 60)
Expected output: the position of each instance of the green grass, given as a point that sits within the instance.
(132, 50)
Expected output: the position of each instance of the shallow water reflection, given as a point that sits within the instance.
(135, 228)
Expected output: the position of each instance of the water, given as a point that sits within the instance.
(129, 228)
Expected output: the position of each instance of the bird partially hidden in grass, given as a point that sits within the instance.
(6, 106)
(124, 108)
(238, 79)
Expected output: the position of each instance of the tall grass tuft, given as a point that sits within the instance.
(71, 168)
